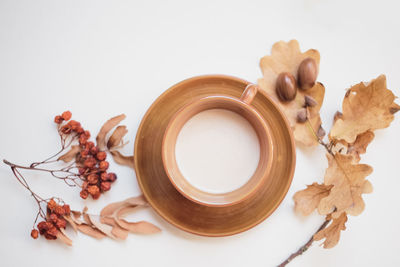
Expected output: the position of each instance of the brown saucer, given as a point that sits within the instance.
(191, 216)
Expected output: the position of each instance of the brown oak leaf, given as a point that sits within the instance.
(349, 184)
(307, 200)
(332, 232)
(366, 107)
(360, 145)
(286, 57)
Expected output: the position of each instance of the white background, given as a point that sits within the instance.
(100, 58)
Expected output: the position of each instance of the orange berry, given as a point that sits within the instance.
(93, 178)
(67, 209)
(61, 223)
(103, 165)
(51, 204)
(34, 233)
(66, 115)
(84, 194)
(111, 177)
(90, 162)
(101, 155)
(58, 119)
(105, 186)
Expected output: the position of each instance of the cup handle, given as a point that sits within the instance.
(249, 93)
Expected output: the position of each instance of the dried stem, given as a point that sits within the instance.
(305, 247)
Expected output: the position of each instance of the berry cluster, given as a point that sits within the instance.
(54, 221)
(91, 161)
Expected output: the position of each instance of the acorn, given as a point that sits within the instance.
(309, 101)
(302, 115)
(286, 88)
(307, 73)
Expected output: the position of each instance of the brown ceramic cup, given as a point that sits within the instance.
(241, 106)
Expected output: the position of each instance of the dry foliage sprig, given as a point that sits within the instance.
(87, 169)
(290, 78)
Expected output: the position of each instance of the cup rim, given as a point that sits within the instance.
(266, 151)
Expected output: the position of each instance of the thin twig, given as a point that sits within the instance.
(305, 247)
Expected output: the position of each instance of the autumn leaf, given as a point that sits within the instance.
(349, 184)
(116, 137)
(107, 126)
(332, 232)
(366, 107)
(286, 57)
(307, 200)
(360, 145)
(122, 159)
(71, 154)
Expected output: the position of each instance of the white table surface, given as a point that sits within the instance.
(102, 58)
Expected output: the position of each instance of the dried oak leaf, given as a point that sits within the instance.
(122, 159)
(286, 57)
(307, 200)
(349, 184)
(360, 145)
(71, 154)
(116, 137)
(107, 126)
(366, 107)
(332, 232)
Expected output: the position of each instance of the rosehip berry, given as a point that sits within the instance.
(111, 177)
(93, 190)
(90, 162)
(58, 119)
(85, 153)
(84, 194)
(94, 150)
(74, 125)
(96, 196)
(103, 165)
(53, 218)
(59, 210)
(82, 140)
(104, 176)
(87, 134)
(61, 223)
(66, 115)
(89, 144)
(101, 155)
(105, 186)
(67, 209)
(80, 130)
(43, 227)
(51, 204)
(34, 233)
(93, 178)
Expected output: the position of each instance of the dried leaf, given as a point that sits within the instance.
(141, 227)
(117, 231)
(107, 126)
(286, 57)
(394, 108)
(332, 232)
(116, 137)
(104, 228)
(360, 145)
(71, 154)
(69, 219)
(366, 107)
(89, 230)
(76, 215)
(123, 160)
(304, 132)
(63, 237)
(307, 200)
(348, 182)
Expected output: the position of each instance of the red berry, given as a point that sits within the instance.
(89, 145)
(94, 150)
(34, 233)
(43, 227)
(93, 190)
(66, 115)
(51, 204)
(80, 130)
(103, 165)
(96, 196)
(67, 209)
(101, 155)
(105, 186)
(53, 218)
(74, 125)
(66, 129)
(93, 178)
(111, 177)
(84, 153)
(59, 210)
(90, 162)
(87, 134)
(82, 139)
(58, 119)
(104, 176)
(61, 223)
(84, 194)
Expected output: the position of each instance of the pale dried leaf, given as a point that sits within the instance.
(107, 126)
(76, 217)
(89, 230)
(117, 231)
(123, 160)
(71, 221)
(104, 228)
(141, 227)
(349, 184)
(394, 108)
(366, 107)
(116, 137)
(360, 145)
(307, 200)
(306, 133)
(332, 232)
(286, 57)
(62, 236)
(71, 154)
